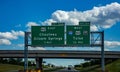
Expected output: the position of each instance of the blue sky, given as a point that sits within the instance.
(17, 16)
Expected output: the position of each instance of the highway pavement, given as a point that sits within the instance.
(67, 70)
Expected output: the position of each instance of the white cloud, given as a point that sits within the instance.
(4, 42)
(101, 17)
(31, 48)
(11, 35)
(112, 44)
(48, 22)
(93, 28)
(17, 33)
(6, 37)
(29, 24)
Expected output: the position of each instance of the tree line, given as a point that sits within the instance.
(14, 61)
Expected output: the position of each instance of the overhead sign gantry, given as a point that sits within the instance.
(59, 35)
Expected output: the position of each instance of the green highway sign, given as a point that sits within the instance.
(47, 35)
(78, 35)
(55, 35)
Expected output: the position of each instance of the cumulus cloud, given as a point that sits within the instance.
(11, 35)
(29, 24)
(112, 44)
(5, 37)
(4, 42)
(101, 17)
(17, 33)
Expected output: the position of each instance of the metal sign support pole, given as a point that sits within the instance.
(26, 52)
(102, 53)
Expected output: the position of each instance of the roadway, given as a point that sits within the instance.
(66, 70)
(58, 54)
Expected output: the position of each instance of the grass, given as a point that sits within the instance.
(111, 67)
(9, 67)
(114, 66)
(88, 69)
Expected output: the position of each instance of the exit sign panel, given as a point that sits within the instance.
(47, 35)
(78, 35)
